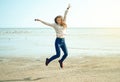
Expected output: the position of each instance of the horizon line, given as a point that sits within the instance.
(50, 27)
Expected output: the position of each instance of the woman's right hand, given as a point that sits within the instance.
(37, 19)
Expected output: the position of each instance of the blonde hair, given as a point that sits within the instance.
(63, 23)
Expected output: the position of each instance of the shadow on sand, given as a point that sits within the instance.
(24, 79)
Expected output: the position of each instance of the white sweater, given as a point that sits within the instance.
(60, 30)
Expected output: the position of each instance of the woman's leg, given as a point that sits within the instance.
(57, 48)
(65, 51)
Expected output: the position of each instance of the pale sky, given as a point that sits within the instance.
(83, 13)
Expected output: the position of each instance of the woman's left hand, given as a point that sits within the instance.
(68, 6)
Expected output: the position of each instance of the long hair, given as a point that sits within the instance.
(62, 23)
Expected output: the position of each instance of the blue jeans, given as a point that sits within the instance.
(60, 43)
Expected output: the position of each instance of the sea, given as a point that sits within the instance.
(38, 42)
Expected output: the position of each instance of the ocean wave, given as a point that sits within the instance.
(100, 49)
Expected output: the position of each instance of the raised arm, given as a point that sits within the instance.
(48, 24)
(66, 11)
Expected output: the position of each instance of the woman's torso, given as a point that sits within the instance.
(60, 31)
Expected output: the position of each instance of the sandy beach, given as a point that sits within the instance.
(76, 69)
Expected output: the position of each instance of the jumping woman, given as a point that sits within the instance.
(60, 27)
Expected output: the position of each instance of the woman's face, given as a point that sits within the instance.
(59, 20)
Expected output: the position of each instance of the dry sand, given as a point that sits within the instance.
(86, 69)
